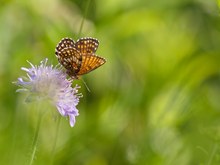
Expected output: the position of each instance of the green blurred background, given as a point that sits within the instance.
(156, 101)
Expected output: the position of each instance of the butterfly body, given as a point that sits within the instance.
(79, 57)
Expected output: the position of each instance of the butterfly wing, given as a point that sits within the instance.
(89, 63)
(64, 43)
(87, 45)
(71, 59)
(79, 57)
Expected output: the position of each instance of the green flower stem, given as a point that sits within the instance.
(34, 145)
(85, 13)
(214, 150)
(55, 140)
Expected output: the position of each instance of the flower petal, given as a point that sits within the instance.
(45, 81)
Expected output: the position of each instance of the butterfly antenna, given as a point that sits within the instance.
(85, 85)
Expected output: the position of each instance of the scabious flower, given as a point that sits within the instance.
(48, 82)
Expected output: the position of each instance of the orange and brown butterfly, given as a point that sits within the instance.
(78, 57)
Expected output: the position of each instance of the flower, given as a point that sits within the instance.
(48, 82)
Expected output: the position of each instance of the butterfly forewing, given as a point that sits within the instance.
(89, 63)
(64, 43)
(87, 45)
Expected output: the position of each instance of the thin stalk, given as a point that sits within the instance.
(84, 15)
(214, 150)
(55, 140)
(35, 140)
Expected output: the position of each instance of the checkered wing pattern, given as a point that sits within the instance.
(64, 43)
(79, 57)
(87, 45)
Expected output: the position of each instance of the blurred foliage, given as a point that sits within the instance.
(156, 100)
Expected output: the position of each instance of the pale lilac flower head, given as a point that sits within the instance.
(48, 82)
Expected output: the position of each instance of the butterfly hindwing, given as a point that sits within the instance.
(89, 63)
(71, 59)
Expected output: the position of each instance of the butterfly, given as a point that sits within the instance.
(79, 57)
